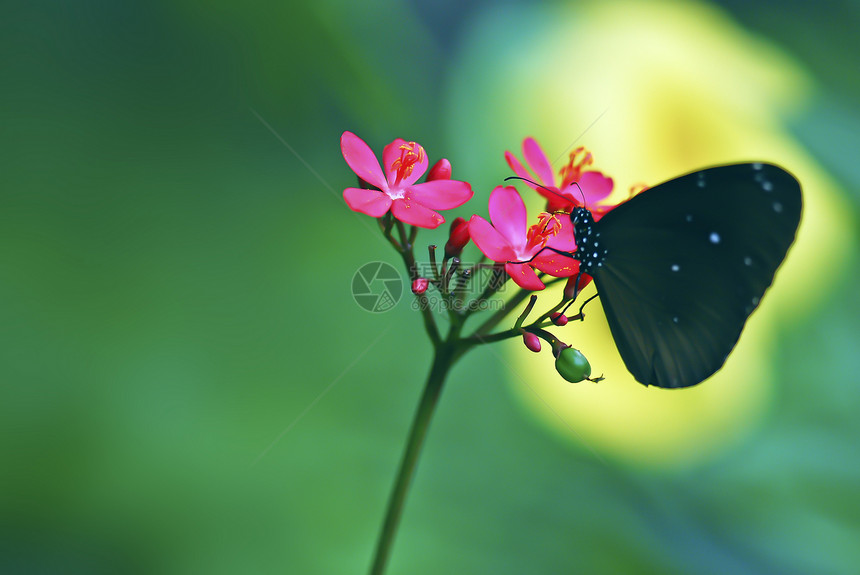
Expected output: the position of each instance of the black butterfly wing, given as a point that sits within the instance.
(688, 261)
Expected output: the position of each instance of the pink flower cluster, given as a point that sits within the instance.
(404, 162)
(545, 246)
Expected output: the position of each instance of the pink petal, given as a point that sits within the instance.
(361, 159)
(524, 276)
(595, 186)
(491, 243)
(519, 170)
(441, 194)
(564, 239)
(371, 202)
(538, 162)
(411, 212)
(554, 202)
(391, 153)
(508, 214)
(559, 203)
(556, 264)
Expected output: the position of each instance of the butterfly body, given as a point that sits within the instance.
(681, 266)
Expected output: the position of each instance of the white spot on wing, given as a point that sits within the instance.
(675, 267)
(714, 238)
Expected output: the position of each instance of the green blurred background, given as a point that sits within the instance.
(188, 386)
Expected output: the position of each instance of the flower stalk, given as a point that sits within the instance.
(533, 257)
(445, 353)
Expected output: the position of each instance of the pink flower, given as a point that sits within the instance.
(404, 163)
(522, 250)
(565, 195)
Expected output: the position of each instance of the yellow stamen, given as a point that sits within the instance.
(548, 226)
(410, 154)
(575, 166)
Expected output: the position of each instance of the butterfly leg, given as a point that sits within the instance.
(585, 303)
(560, 252)
(580, 316)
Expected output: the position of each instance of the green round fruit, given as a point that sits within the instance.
(572, 365)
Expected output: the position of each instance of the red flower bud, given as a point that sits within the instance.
(441, 170)
(420, 285)
(558, 319)
(570, 290)
(532, 341)
(458, 238)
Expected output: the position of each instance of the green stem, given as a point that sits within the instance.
(445, 356)
(426, 312)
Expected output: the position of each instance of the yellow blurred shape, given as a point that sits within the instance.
(682, 87)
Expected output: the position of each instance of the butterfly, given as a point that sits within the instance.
(681, 266)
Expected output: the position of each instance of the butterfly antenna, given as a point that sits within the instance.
(552, 192)
(536, 184)
(581, 193)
